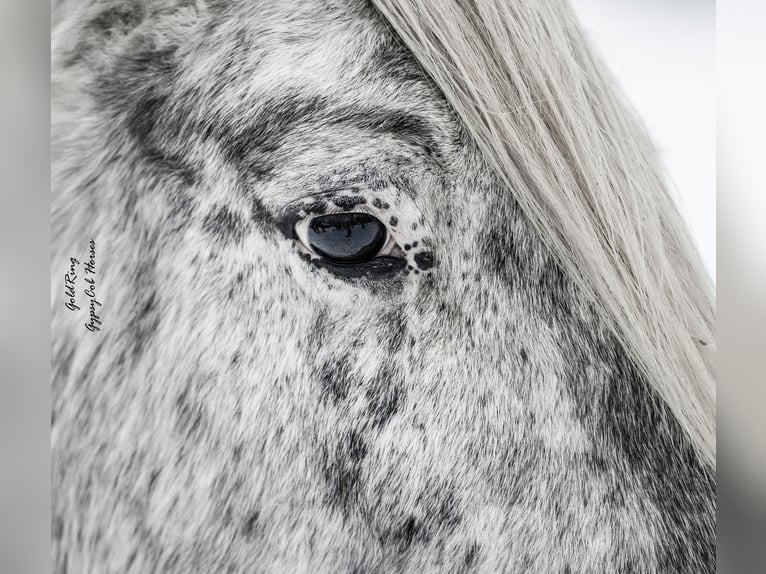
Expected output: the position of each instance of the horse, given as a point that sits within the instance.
(352, 286)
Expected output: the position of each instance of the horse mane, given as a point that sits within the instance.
(549, 120)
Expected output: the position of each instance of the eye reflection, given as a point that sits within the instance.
(346, 237)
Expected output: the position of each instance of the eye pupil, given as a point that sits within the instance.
(346, 237)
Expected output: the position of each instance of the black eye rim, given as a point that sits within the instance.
(347, 239)
(383, 267)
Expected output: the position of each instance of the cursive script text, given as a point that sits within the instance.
(69, 285)
(94, 322)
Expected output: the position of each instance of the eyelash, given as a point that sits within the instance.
(377, 268)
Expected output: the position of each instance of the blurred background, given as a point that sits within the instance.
(741, 80)
(695, 72)
(24, 287)
(662, 53)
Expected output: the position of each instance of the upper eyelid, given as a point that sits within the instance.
(339, 200)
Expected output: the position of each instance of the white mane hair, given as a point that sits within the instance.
(550, 121)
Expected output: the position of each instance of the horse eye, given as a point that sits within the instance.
(346, 237)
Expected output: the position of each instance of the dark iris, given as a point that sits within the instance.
(346, 237)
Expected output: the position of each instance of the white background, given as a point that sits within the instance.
(662, 53)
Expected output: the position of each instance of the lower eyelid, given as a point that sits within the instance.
(377, 268)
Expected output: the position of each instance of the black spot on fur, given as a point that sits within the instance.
(393, 325)
(224, 225)
(411, 531)
(349, 202)
(153, 480)
(143, 118)
(385, 395)
(154, 125)
(136, 89)
(108, 25)
(394, 63)
(357, 450)
(250, 526)
(503, 253)
(57, 528)
(171, 562)
(181, 207)
(143, 122)
(131, 559)
(625, 417)
(190, 415)
(252, 149)
(435, 519)
(380, 204)
(317, 207)
(445, 516)
(394, 221)
(424, 260)
(555, 291)
(260, 214)
(317, 331)
(118, 18)
(62, 365)
(676, 481)
(146, 318)
(471, 555)
(335, 379)
(170, 164)
(342, 471)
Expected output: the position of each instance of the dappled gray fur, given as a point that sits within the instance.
(246, 407)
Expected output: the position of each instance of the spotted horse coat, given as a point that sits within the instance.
(248, 406)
